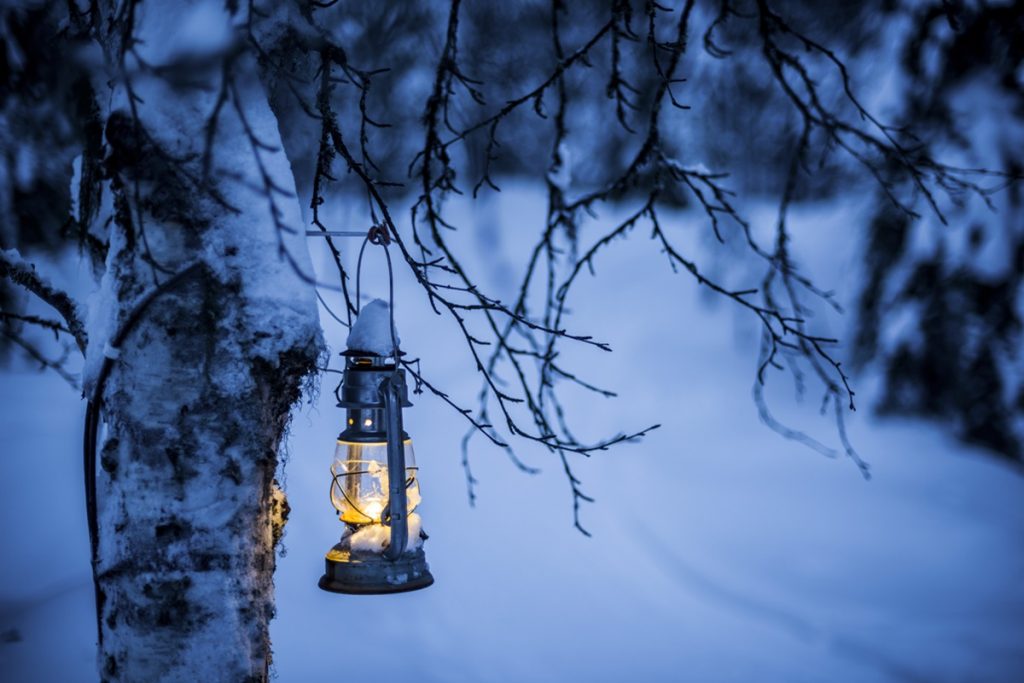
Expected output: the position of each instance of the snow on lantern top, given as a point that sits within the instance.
(369, 333)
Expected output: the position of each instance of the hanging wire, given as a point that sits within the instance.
(328, 309)
(378, 234)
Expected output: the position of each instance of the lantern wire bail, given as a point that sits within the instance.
(378, 234)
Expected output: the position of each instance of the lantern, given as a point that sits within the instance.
(374, 480)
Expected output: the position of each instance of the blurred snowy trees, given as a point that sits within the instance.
(943, 300)
(938, 307)
(944, 76)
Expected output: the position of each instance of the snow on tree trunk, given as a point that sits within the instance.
(198, 400)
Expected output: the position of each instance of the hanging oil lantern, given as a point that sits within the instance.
(374, 480)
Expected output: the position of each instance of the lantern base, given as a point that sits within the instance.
(366, 573)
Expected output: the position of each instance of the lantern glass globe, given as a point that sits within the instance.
(359, 482)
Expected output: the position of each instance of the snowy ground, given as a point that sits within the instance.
(720, 551)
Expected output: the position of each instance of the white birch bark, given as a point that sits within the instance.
(198, 401)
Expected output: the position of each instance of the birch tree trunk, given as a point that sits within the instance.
(199, 397)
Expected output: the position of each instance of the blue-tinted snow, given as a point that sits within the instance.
(720, 551)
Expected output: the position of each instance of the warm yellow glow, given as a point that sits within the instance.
(351, 421)
(359, 486)
(373, 508)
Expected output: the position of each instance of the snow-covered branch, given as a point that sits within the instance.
(19, 271)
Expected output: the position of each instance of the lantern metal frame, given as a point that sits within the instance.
(373, 393)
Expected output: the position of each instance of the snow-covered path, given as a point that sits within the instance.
(720, 551)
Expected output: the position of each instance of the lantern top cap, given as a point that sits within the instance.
(370, 334)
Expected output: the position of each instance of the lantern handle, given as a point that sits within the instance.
(395, 513)
(378, 234)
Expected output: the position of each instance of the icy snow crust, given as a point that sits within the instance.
(370, 330)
